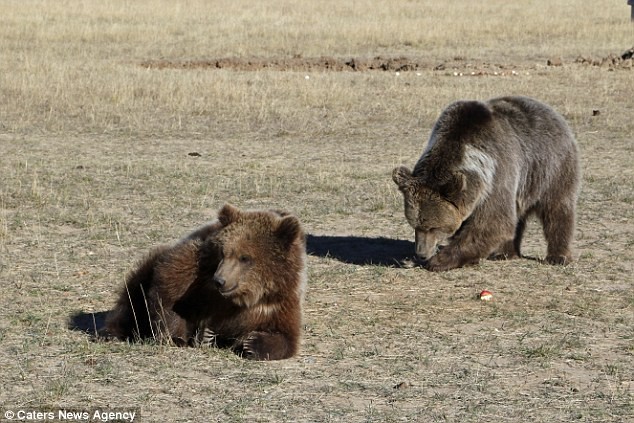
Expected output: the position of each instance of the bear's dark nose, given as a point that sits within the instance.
(220, 282)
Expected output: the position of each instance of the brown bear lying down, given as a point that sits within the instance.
(238, 282)
(486, 168)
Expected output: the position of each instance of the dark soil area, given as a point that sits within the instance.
(378, 63)
(320, 64)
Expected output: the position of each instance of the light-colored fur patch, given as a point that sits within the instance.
(478, 162)
(266, 309)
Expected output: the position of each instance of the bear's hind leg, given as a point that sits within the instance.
(130, 319)
(558, 221)
(175, 329)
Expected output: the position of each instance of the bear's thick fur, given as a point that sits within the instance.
(487, 167)
(238, 282)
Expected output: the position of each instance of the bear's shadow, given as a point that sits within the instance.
(361, 250)
(89, 323)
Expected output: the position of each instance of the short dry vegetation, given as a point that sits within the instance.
(103, 156)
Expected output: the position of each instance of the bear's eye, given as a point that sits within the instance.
(244, 259)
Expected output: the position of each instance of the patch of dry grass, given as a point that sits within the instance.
(95, 170)
(70, 68)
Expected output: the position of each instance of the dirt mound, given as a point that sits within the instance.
(324, 63)
(612, 61)
(457, 66)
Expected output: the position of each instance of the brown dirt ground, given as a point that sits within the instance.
(378, 63)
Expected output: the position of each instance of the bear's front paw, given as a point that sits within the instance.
(205, 338)
(445, 261)
(251, 347)
(265, 346)
(440, 263)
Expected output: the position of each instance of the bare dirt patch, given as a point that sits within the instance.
(328, 63)
(380, 63)
(297, 63)
(611, 61)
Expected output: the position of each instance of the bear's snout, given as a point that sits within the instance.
(220, 282)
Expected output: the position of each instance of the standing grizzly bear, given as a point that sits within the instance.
(239, 281)
(487, 167)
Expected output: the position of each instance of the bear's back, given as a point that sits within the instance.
(512, 128)
(532, 121)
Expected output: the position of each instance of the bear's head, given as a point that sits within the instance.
(263, 254)
(433, 212)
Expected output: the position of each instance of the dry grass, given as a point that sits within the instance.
(95, 170)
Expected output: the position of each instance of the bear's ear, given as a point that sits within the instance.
(401, 175)
(228, 214)
(288, 230)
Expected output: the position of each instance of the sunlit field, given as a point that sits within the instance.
(124, 125)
